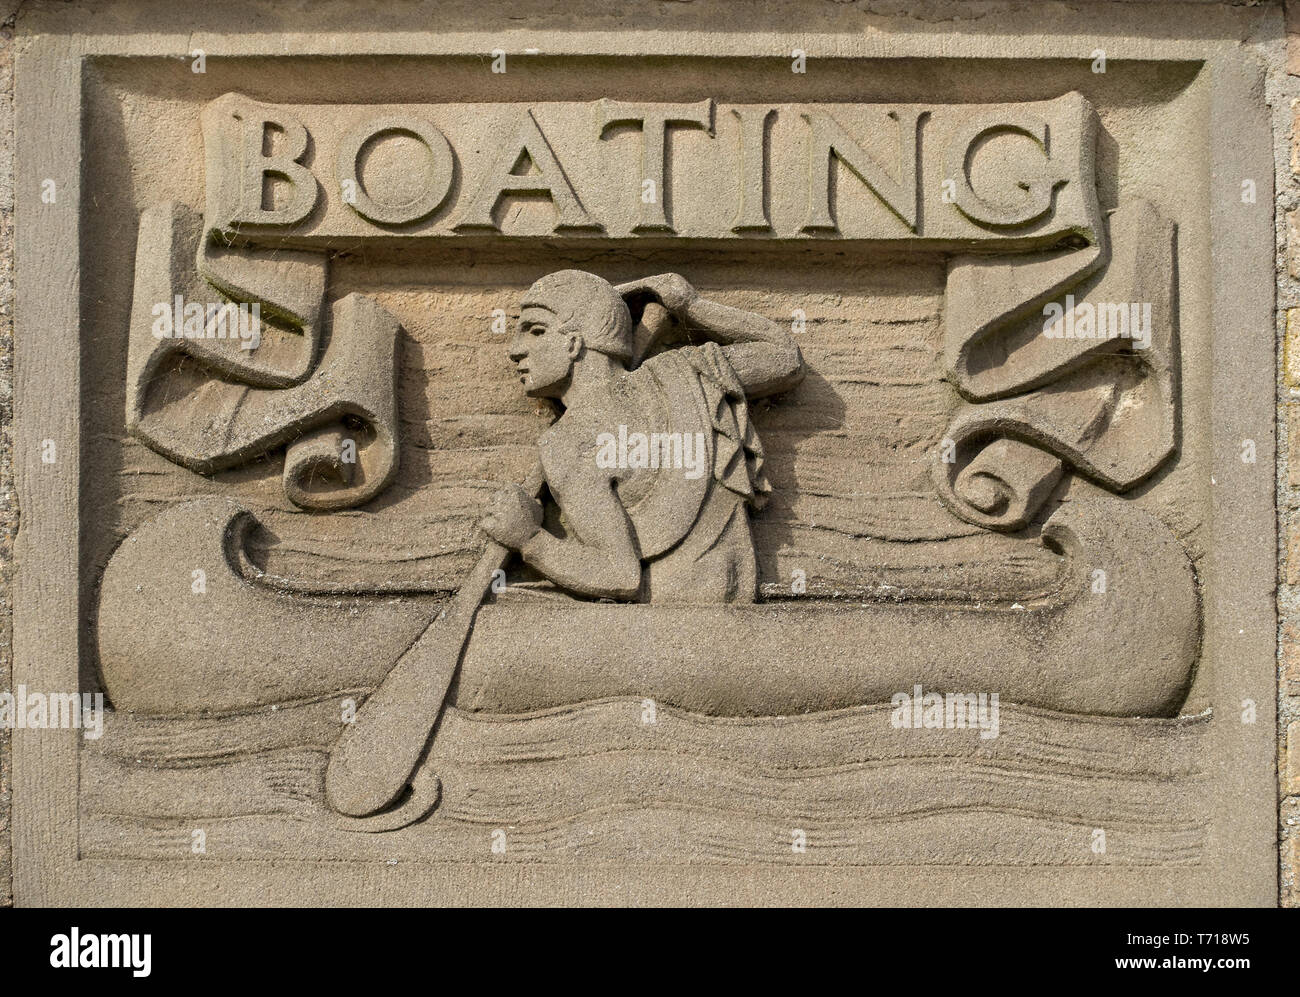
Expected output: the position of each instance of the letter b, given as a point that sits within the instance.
(243, 132)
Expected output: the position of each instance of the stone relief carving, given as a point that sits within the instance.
(279, 392)
(669, 523)
(625, 566)
(1040, 401)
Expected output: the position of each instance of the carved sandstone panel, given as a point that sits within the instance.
(611, 475)
(654, 483)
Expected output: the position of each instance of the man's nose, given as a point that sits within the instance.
(517, 349)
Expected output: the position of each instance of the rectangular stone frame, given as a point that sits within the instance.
(1240, 866)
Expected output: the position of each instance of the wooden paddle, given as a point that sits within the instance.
(375, 758)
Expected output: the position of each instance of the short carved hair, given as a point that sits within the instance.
(588, 305)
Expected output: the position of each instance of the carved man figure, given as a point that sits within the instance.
(638, 522)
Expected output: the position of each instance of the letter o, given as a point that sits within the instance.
(444, 164)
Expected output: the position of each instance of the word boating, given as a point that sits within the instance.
(944, 176)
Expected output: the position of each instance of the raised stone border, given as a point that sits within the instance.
(8, 507)
(1286, 100)
(1265, 40)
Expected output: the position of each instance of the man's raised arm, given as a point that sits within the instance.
(762, 353)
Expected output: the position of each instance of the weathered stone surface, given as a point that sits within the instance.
(8, 514)
(1291, 349)
(332, 624)
(1290, 660)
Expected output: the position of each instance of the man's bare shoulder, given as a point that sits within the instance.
(568, 448)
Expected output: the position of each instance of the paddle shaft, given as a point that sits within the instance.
(376, 755)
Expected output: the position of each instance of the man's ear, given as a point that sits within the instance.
(576, 345)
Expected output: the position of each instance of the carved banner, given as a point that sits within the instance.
(1008, 192)
(320, 176)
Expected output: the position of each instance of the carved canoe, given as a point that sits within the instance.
(1127, 648)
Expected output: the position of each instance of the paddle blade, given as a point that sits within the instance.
(374, 759)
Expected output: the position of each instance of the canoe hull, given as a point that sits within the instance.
(1127, 652)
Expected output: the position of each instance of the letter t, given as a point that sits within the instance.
(654, 120)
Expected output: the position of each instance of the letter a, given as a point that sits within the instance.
(501, 179)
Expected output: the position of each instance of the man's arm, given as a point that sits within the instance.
(599, 558)
(763, 355)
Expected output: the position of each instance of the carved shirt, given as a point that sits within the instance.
(692, 390)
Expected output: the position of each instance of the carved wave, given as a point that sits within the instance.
(594, 782)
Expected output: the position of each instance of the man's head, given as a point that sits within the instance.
(561, 316)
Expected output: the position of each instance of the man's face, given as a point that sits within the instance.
(541, 352)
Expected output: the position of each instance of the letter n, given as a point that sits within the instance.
(828, 141)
